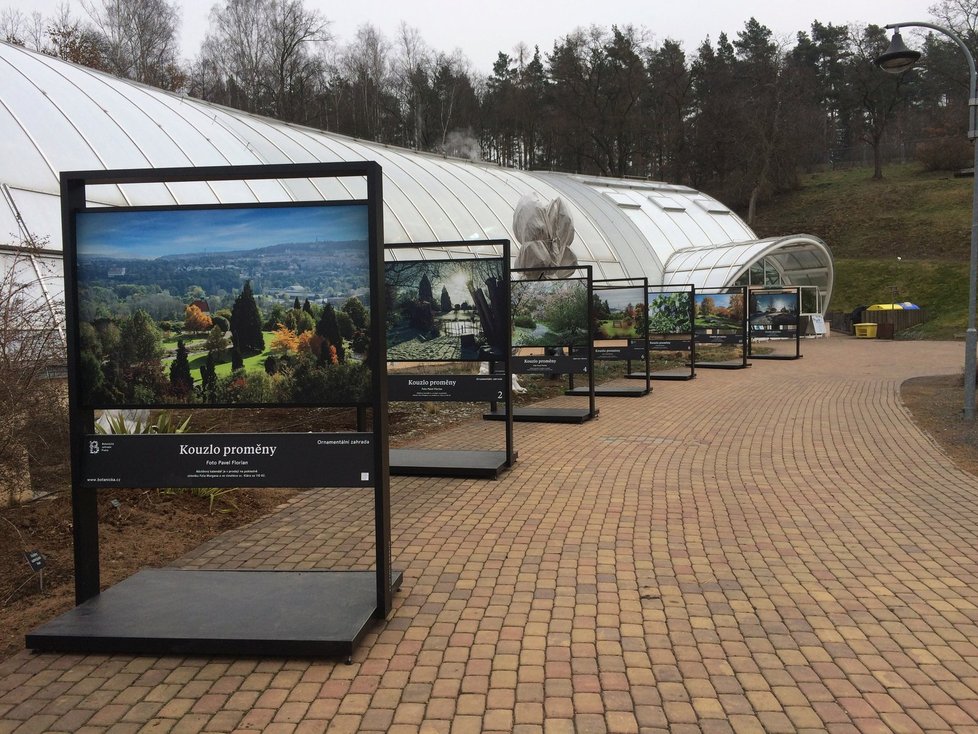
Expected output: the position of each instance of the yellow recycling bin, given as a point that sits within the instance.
(865, 331)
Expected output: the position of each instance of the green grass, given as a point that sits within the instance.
(223, 369)
(923, 218)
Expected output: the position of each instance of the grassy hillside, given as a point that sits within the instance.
(922, 218)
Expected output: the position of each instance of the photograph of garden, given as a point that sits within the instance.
(619, 313)
(550, 313)
(669, 312)
(774, 311)
(223, 306)
(719, 312)
(445, 310)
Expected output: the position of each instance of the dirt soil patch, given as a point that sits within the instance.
(151, 528)
(935, 403)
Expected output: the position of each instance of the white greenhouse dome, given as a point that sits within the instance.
(56, 116)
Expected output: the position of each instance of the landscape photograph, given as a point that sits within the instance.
(445, 310)
(619, 313)
(719, 312)
(774, 311)
(669, 312)
(550, 313)
(223, 306)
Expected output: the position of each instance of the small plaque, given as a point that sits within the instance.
(459, 388)
(559, 364)
(35, 559)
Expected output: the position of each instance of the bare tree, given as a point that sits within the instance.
(22, 29)
(33, 406)
(261, 56)
(140, 38)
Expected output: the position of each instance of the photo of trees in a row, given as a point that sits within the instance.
(445, 310)
(669, 313)
(774, 313)
(619, 313)
(550, 313)
(223, 306)
(720, 313)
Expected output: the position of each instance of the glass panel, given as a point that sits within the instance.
(771, 274)
(809, 300)
(757, 273)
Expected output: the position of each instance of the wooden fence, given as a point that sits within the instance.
(900, 320)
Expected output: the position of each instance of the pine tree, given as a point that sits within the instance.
(208, 377)
(329, 329)
(237, 361)
(180, 377)
(295, 304)
(307, 307)
(246, 323)
(446, 300)
(424, 290)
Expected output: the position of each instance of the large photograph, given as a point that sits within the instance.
(719, 312)
(619, 313)
(550, 313)
(775, 311)
(223, 306)
(669, 312)
(445, 310)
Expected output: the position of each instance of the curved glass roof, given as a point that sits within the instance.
(56, 116)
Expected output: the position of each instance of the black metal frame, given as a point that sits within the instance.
(434, 463)
(744, 347)
(797, 338)
(84, 500)
(603, 285)
(670, 374)
(559, 415)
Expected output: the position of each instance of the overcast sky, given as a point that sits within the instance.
(483, 29)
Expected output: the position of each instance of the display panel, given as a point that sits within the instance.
(669, 312)
(550, 313)
(774, 314)
(219, 306)
(619, 313)
(444, 310)
(719, 313)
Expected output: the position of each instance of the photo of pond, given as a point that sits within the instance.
(445, 310)
(774, 311)
(219, 306)
(619, 313)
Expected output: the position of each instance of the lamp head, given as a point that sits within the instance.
(897, 58)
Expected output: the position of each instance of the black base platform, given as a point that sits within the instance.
(783, 357)
(543, 415)
(172, 611)
(733, 364)
(679, 373)
(622, 391)
(437, 463)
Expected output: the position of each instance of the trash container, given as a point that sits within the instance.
(865, 331)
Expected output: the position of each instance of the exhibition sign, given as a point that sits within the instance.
(671, 345)
(620, 328)
(720, 325)
(448, 305)
(230, 306)
(774, 318)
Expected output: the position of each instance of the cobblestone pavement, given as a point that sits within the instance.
(774, 549)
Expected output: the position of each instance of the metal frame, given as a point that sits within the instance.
(744, 345)
(643, 283)
(675, 288)
(750, 331)
(504, 244)
(84, 507)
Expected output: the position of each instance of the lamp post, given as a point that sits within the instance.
(897, 59)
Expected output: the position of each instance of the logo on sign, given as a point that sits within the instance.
(93, 447)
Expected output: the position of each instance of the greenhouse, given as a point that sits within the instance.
(56, 116)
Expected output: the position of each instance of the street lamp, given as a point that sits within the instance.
(897, 59)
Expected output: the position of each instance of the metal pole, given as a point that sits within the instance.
(971, 335)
